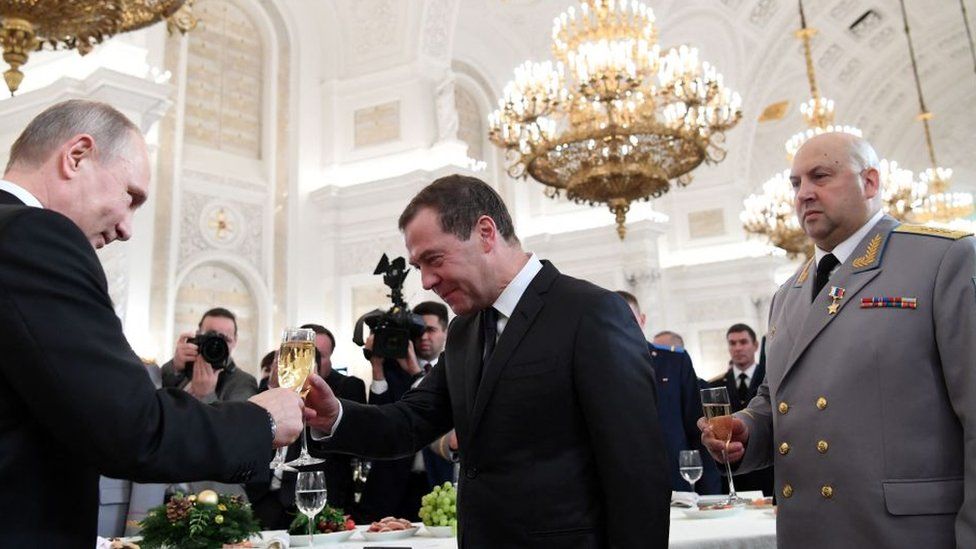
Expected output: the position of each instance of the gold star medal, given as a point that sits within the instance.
(836, 294)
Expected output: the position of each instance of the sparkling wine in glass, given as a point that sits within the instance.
(296, 361)
(718, 412)
(690, 466)
(310, 496)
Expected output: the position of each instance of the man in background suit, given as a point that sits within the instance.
(546, 379)
(869, 403)
(75, 400)
(742, 381)
(678, 408)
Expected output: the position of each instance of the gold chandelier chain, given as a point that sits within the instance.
(805, 34)
(924, 115)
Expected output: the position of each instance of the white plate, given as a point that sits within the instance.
(332, 537)
(712, 498)
(387, 536)
(711, 513)
(440, 531)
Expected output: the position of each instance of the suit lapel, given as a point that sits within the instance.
(516, 328)
(859, 269)
(472, 360)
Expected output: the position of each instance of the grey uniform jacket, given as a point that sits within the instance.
(868, 413)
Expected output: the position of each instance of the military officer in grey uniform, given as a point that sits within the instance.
(869, 402)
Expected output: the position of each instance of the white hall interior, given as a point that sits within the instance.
(287, 136)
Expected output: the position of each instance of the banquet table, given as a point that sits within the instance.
(749, 529)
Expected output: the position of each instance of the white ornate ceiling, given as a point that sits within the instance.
(864, 67)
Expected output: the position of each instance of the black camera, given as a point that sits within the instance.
(213, 348)
(393, 329)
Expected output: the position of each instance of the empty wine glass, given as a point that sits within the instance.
(690, 466)
(718, 412)
(310, 496)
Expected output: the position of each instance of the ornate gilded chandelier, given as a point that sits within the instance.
(770, 213)
(938, 204)
(614, 120)
(29, 25)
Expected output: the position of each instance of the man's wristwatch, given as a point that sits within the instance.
(274, 425)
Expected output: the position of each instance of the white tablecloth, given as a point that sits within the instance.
(750, 529)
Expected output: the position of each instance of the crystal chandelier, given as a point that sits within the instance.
(29, 25)
(938, 204)
(614, 119)
(770, 214)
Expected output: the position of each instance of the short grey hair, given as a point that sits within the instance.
(110, 129)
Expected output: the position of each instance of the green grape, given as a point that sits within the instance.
(439, 507)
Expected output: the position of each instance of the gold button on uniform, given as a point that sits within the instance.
(821, 403)
(822, 446)
(784, 448)
(787, 491)
(827, 491)
(784, 407)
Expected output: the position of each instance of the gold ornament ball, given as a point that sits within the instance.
(219, 519)
(208, 497)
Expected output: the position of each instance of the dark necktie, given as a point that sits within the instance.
(743, 390)
(426, 368)
(489, 332)
(826, 264)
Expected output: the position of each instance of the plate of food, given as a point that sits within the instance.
(712, 511)
(390, 528)
(330, 526)
(760, 503)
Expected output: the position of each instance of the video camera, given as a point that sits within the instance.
(393, 329)
(213, 348)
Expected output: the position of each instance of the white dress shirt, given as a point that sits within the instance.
(21, 193)
(506, 302)
(748, 372)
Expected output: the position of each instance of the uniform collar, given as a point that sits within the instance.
(844, 250)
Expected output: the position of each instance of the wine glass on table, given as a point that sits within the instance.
(718, 412)
(310, 496)
(296, 360)
(690, 466)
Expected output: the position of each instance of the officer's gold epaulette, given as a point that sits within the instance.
(718, 378)
(925, 230)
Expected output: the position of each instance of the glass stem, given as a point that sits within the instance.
(728, 469)
(304, 440)
(310, 517)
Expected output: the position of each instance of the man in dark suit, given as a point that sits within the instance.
(75, 401)
(678, 408)
(742, 380)
(546, 379)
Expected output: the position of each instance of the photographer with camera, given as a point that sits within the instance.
(202, 364)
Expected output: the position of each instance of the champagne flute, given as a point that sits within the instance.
(690, 466)
(718, 412)
(310, 496)
(296, 360)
